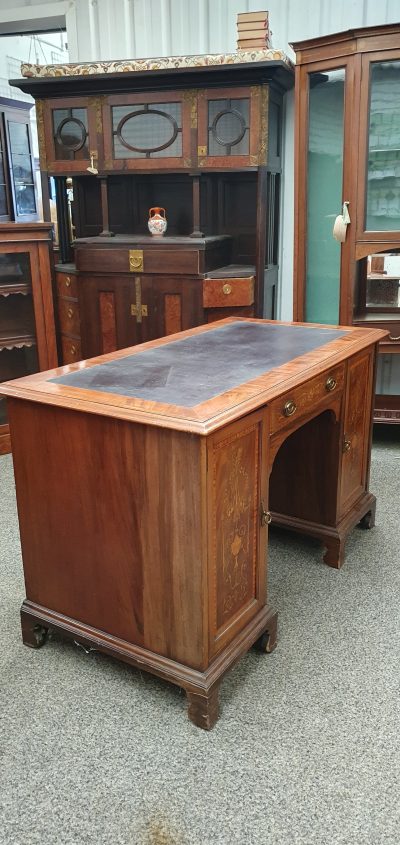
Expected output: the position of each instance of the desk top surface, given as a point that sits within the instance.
(195, 369)
(199, 379)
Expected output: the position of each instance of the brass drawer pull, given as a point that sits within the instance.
(330, 383)
(227, 289)
(394, 339)
(70, 313)
(73, 349)
(266, 517)
(346, 445)
(289, 408)
(68, 281)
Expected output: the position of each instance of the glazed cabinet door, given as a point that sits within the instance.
(378, 206)
(237, 483)
(148, 131)
(70, 134)
(356, 430)
(232, 127)
(325, 178)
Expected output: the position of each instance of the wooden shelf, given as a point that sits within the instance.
(12, 341)
(15, 287)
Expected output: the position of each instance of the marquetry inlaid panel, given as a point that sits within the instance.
(234, 468)
(356, 424)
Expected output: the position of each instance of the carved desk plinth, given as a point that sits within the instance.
(144, 507)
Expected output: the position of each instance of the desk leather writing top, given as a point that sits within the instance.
(198, 368)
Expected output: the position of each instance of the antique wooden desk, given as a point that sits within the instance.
(143, 488)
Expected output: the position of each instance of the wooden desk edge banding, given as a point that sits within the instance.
(169, 573)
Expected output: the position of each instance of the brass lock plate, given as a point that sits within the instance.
(136, 260)
(139, 310)
(201, 151)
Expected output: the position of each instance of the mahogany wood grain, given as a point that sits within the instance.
(108, 326)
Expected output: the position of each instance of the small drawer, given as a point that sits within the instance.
(124, 260)
(67, 285)
(68, 313)
(71, 349)
(227, 293)
(299, 401)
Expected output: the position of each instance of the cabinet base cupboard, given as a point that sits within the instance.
(144, 507)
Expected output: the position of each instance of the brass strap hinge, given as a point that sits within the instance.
(138, 310)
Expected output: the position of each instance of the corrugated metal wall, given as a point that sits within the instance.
(113, 29)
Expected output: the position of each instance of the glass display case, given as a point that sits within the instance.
(348, 152)
(27, 333)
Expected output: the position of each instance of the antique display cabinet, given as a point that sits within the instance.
(27, 332)
(348, 151)
(198, 136)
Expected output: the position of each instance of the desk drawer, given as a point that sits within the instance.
(67, 285)
(68, 313)
(299, 401)
(71, 349)
(227, 293)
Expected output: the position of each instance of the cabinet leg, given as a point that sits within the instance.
(368, 520)
(268, 640)
(34, 635)
(334, 555)
(203, 707)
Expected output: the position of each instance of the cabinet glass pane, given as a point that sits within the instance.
(324, 195)
(15, 363)
(71, 140)
(3, 200)
(22, 173)
(228, 127)
(15, 268)
(383, 185)
(147, 131)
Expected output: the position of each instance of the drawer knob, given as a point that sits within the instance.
(330, 383)
(289, 408)
(266, 517)
(68, 281)
(346, 445)
(70, 313)
(227, 289)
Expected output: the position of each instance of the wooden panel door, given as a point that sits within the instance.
(107, 320)
(232, 127)
(173, 304)
(237, 496)
(356, 431)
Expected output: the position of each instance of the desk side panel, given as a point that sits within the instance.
(110, 520)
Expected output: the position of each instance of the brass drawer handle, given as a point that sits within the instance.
(266, 517)
(394, 339)
(227, 289)
(346, 445)
(73, 349)
(289, 408)
(70, 313)
(330, 383)
(68, 281)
